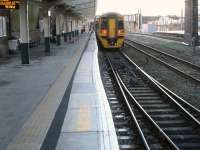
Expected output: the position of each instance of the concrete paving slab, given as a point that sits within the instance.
(72, 141)
(24, 104)
(83, 119)
(85, 88)
(83, 99)
(85, 77)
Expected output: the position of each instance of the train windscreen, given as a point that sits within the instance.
(104, 24)
(120, 24)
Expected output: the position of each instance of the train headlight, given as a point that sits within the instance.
(120, 32)
(104, 32)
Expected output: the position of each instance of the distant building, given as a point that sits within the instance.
(148, 28)
(167, 23)
(133, 23)
(139, 23)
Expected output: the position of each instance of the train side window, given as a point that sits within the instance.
(104, 24)
(120, 24)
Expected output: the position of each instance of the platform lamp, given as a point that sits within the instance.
(49, 13)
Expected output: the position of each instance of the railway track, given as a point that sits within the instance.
(128, 133)
(182, 67)
(180, 39)
(160, 119)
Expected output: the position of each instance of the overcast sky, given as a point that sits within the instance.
(148, 7)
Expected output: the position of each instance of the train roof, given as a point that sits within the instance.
(111, 14)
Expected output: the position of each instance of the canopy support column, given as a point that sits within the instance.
(24, 32)
(58, 33)
(47, 33)
(191, 21)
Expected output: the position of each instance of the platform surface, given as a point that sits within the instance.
(88, 123)
(24, 88)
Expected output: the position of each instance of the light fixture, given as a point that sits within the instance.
(49, 13)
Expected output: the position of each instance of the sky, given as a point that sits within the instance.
(148, 7)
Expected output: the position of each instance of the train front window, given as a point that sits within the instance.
(120, 24)
(104, 24)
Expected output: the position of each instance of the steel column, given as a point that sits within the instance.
(46, 20)
(24, 32)
(191, 21)
(58, 33)
(65, 29)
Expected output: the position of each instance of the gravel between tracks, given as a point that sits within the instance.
(174, 82)
(172, 47)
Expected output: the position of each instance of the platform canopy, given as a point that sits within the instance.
(82, 8)
(86, 8)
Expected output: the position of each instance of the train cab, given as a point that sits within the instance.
(110, 30)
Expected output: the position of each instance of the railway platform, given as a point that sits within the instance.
(88, 123)
(57, 101)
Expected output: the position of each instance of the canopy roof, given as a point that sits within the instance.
(79, 8)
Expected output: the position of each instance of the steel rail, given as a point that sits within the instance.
(178, 39)
(129, 107)
(188, 115)
(187, 126)
(196, 81)
(194, 66)
(194, 110)
(161, 132)
(146, 114)
(190, 108)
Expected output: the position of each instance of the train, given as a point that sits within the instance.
(109, 29)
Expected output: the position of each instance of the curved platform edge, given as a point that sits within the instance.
(88, 123)
(109, 137)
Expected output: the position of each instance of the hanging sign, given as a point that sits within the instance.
(9, 4)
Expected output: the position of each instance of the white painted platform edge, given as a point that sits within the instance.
(108, 138)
